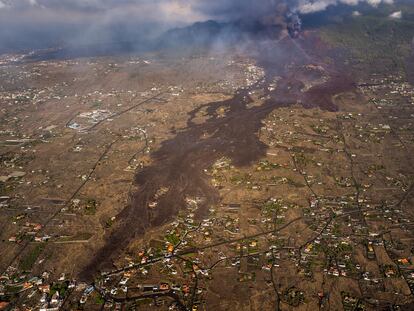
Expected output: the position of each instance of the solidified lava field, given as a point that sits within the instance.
(179, 163)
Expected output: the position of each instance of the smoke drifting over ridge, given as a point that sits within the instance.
(45, 23)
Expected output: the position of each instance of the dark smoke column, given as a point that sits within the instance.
(294, 25)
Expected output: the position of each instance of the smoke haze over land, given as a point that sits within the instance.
(26, 24)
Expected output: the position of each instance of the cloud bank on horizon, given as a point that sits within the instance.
(83, 21)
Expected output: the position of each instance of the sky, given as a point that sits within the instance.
(39, 23)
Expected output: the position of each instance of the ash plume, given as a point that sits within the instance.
(294, 25)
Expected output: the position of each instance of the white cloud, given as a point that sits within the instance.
(311, 6)
(396, 15)
(350, 2)
(306, 7)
